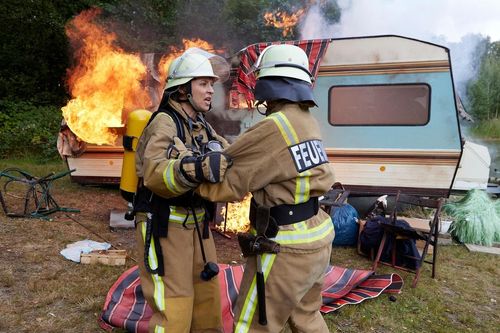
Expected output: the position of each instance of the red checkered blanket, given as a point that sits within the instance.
(125, 306)
(244, 82)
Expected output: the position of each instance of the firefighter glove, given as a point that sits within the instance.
(210, 167)
(177, 150)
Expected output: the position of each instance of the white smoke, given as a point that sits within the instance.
(457, 24)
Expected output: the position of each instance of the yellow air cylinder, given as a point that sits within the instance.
(136, 122)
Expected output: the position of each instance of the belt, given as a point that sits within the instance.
(288, 214)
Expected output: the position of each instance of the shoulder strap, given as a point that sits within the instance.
(177, 120)
(210, 134)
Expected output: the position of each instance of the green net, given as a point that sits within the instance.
(476, 218)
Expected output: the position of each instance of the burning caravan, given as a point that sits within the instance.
(386, 107)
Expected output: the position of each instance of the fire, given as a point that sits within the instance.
(236, 219)
(175, 52)
(282, 20)
(105, 82)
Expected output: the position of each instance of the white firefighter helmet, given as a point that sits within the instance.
(194, 63)
(284, 60)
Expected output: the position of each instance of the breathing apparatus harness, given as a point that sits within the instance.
(158, 208)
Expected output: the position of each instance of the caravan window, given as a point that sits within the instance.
(395, 104)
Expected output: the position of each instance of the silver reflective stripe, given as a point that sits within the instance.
(250, 304)
(159, 288)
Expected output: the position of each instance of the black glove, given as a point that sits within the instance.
(210, 167)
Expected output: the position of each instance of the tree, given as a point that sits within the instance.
(484, 93)
(34, 48)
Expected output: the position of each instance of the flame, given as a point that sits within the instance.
(175, 52)
(105, 82)
(283, 20)
(236, 219)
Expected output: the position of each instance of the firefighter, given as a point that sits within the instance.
(178, 271)
(282, 162)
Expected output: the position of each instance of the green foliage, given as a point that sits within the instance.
(142, 25)
(330, 10)
(488, 129)
(27, 130)
(484, 93)
(35, 48)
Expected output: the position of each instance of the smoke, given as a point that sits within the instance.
(457, 24)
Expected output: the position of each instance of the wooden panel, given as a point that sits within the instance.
(96, 165)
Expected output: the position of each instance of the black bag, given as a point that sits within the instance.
(371, 236)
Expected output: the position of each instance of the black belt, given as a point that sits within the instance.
(288, 214)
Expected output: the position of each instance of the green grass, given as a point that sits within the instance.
(487, 130)
(462, 298)
(40, 291)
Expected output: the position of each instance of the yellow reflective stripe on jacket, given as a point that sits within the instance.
(159, 329)
(178, 217)
(159, 288)
(169, 178)
(285, 128)
(303, 236)
(302, 187)
(249, 306)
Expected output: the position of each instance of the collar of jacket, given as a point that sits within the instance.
(283, 106)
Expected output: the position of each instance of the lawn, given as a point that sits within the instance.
(41, 291)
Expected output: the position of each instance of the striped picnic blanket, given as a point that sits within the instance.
(125, 306)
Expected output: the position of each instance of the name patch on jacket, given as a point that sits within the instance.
(308, 154)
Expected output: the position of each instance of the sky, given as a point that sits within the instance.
(457, 24)
(423, 19)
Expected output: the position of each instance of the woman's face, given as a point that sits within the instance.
(202, 90)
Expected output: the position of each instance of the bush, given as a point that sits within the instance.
(28, 130)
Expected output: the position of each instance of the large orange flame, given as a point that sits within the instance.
(175, 52)
(236, 218)
(104, 82)
(282, 20)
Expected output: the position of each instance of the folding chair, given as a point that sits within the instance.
(428, 235)
(335, 197)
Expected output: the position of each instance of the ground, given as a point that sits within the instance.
(41, 291)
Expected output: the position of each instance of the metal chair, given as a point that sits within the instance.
(335, 197)
(428, 234)
(34, 192)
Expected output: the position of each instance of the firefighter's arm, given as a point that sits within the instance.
(210, 167)
(254, 165)
(160, 173)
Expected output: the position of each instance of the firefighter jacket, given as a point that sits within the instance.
(281, 160)
(160, 174)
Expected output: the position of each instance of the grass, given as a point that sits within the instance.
(41, 291)
(487, 130)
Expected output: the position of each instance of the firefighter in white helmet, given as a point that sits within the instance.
(282, 162)
(178, 273)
